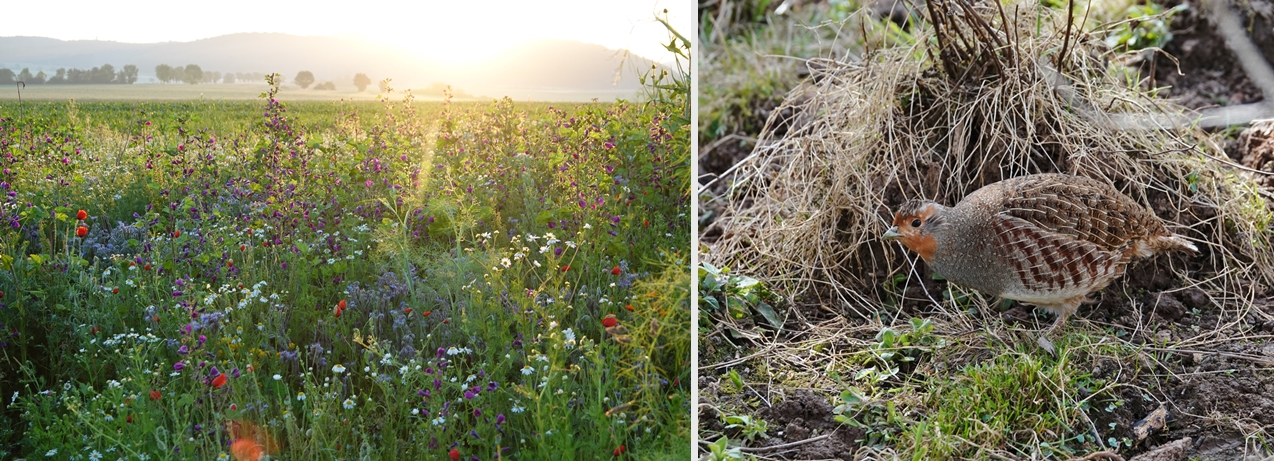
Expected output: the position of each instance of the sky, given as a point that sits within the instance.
(454, 30)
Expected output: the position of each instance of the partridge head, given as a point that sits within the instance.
(1045, 239)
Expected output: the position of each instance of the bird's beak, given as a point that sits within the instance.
(891, 234)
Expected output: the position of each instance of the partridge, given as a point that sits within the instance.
(1044, 239)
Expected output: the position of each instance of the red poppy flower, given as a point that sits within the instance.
(620, 450)
(426, 313)
(629, 307)
(336, 312)
(94, 330)
(609, 321)
(219, 381)
(129, 419)
(243, 248)
(407, 310)
(176, 234)
(250, 442)
(115, 290)
(454, 454)
(81, 215)
(616, 270)
(81, 231)
(566, 268)
(146, 267)
(645, 223)
(341, 304)
(155, 396)
(229, 263)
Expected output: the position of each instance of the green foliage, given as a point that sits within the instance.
(988, 402)
(737, 296)
(721, 450)
(750, 427)
(1145, 26)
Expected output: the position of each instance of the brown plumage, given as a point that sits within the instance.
(1045, 239)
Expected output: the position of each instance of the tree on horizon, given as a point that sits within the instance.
(127, 75)
(361, 81)
(193, 74)
(304, 79)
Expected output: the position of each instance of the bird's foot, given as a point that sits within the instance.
(1047, 345)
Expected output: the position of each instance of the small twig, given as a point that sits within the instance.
(1250, 57)
(786, 445)
(20, 84)
(1092, 426)
(1229, 355)
(739, 360)
(1066, 36)
(1104, 454)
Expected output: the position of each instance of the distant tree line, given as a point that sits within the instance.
(193, 74)
(104, 74)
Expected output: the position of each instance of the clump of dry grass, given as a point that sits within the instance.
(973, 101)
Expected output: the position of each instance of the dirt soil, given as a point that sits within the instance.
(1216, 395)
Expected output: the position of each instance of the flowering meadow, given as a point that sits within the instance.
(341, 280)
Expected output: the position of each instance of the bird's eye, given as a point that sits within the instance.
(915, 223)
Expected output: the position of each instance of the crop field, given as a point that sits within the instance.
(252, 92)
(184, 92)
(345, 280)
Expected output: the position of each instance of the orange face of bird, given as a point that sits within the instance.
(911, 227)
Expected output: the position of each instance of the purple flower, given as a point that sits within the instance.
(499, 419)
(178, 366)
(441, 351)
(437, 384)
(235, 372)
(493, 386)
(477, 412)
(557, 251)
(183, 350)
(469, 395)
(608, 145)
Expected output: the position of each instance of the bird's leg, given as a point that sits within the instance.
(1063, 312)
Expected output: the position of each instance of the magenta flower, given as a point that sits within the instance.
(178, 366)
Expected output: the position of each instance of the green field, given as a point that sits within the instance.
(252, 92)
(182, 92)
(216, 279)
